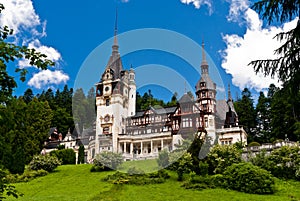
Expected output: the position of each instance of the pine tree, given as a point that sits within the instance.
(246, 113)
(263, 119)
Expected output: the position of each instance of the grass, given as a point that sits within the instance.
(149, 165)
(72, 183)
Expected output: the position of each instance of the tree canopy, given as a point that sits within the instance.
(287, 64)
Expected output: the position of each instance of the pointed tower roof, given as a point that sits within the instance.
(230, 100)
(204, 73)
(115, 62)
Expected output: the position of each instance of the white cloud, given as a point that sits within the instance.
(236, 9)
(256, 43)
(47, 77)
(52, 54)
(199, 3)
(20, 15)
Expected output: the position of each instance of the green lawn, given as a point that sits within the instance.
(147, 166)
(72, 183)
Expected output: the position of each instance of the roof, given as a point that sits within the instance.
(222, 108)
(185, 99)
(209, 83)
(163, 110)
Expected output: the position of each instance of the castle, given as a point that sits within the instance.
(142, 134)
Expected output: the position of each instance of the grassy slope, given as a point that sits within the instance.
(72, 183)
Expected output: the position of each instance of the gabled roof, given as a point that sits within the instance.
(185, 99)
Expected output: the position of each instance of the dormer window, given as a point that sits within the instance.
(202, 84)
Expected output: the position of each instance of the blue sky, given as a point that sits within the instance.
(74, 33)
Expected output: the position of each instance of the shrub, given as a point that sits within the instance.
(204, 182)
(163, 159)
(95, 168)
(222, 156)
(283, 162)
(184, 165)
(5, 188)
(45, 162)
(134, 170)
(108, 159)
(28, 175)
(137, 179)
(253, 144)
(248, 178)
(203, 168)
(67, 156)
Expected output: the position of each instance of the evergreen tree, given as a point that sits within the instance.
(173, 101)
(90, 108)
(79, 109)
(263, 118)
(81, 155)
(246, 113)
(285, 114)
(28, 95)
(286, 66)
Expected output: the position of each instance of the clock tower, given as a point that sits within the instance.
(115, 101)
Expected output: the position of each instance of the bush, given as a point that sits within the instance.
(45, 162)
(134, 170)
(204, 182)
(67, 156)
(248, 178)
(220, 157)
(282, 163)
(163, 159)
(28, 175)
(203, 168)
(95, 168)
(184, 165)
(108, 160)
(137, 179)
(253, 144)
(5, 188)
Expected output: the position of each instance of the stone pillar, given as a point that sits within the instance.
(151, 147)
(76, 154)
(141, 147)
(124, 147)
(119, 148)
(131, 148)
(162, 144)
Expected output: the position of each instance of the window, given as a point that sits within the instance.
(210, 94)
(107, 102)
(206, 122)
(106, 130)
(203, 94)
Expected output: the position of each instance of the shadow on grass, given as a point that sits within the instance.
(113, 194)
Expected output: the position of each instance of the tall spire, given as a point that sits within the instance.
(229, 93)
(204, 64)
(115, 45)
(203, 54)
